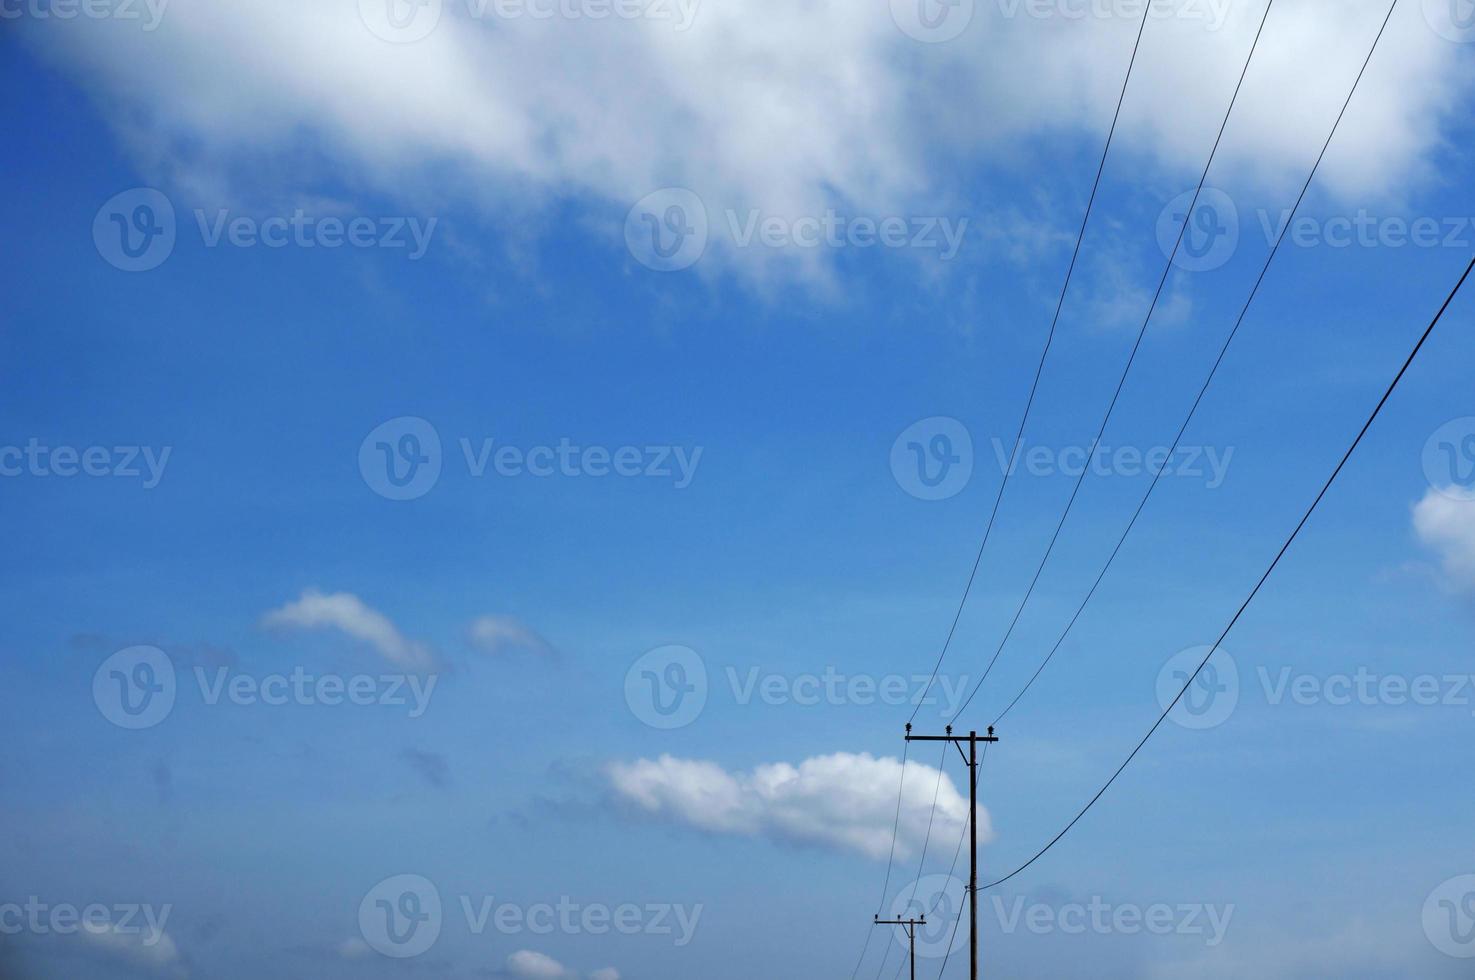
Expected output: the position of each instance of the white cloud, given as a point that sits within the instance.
(608, 973)
(528, 965)
(500, 635)
(773, 104)
(842, 801)
(153, 952)
(354, 949)
(347, 613)
(1447, 526)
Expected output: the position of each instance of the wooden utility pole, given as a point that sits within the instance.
(971, 758)
(911, 927)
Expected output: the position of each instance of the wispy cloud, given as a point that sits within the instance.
(503, 635)
(841, 801)
(348, 614)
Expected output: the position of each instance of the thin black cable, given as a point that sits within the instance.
(896, 825)
(922, 864)
(936, 790)
(890, 861)
(1305, 188)
(1377, 410)
(863, 950)
(1039, 370)
(1131, 359)
(959, 917)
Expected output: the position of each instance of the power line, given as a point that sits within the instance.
(1131, 359)
(1305, 188)
(1039, 370)
(890, 861)
(1377, 410)
(952, 937)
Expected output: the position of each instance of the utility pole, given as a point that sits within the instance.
(911, 927)
(971, 758)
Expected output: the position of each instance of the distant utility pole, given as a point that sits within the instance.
(911, 928)
(971, 758)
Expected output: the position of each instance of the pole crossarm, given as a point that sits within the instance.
(970, 758)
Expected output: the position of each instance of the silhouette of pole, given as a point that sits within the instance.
(911, 927)
(971, 758)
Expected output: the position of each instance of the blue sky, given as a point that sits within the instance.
(238, 529)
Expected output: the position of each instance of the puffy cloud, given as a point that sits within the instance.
(151, 951)
(1446, 525)
(528, 965)
(348, 614)
(841, 801)
(791, 108)
(500, 635)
